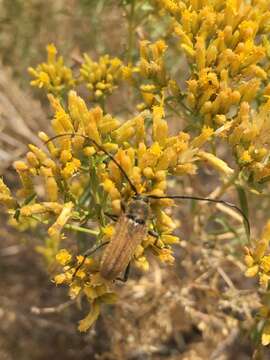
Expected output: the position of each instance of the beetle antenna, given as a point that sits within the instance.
(101, 149)
(198, 198)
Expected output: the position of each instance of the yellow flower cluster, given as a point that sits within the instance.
(250, 140)
(101, 77)
(87, 282)
(53, 75)
(227, 48)
(79, 184)
(94, 161)
(6, 196)
(257, 260)
(223, 41)
(152, 70)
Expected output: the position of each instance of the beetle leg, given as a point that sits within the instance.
(88, 253)
(126, 274)
(111, 216)
(154, 234)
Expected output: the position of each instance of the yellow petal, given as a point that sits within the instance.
(264, 280)
(265, 263)
(249, 261)
(260, 250)
(63, 257)
(266, 335)
(217, 163)
(59, 279)
(109, 298)
(74, 290)
(88, 321)
(252, 271)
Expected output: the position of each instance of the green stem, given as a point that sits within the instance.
(131, 19)
(213, 146)
(81, 229)
(181, 103)
(174, 110)
(244, 206)
(102, 104)
(45, 222)
(69, 226)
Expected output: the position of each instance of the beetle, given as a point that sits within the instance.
(132, 225)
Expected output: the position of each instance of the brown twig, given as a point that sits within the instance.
(52, 309)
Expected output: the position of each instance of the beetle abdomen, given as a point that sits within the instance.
(117, 255)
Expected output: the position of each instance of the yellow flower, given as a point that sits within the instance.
(252, 271)
(53, 75)
(40, 154)
(125, 131)
(185, 169)
(5, 195)
(264, 281)
(141, 263)
(101, 77)
(108, 124)
(55, 230)
(108, 231)
(35, 209)
(160, 126)
(249, 260)
(245, 157)
(51, 186)
(266, 334)
(63, 257)
(217, 163)
(65, 156)
(60, 279)
(165, 255)
(110, 187)
(205, 135)
(265, 263)
(150, 156)
(165, 222)
(74, 290)
(25, 177)
(52, 51)
(70, 168)
(260, 248)
(170, 239)
(200, 54)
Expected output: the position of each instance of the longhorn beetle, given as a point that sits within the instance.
(132, 225)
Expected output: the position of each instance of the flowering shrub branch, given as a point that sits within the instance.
(225, 100)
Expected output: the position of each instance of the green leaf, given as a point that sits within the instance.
(29, 199)
(244, 206)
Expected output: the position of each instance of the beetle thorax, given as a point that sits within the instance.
(138, 210)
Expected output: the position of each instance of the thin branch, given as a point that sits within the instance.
(52, 309)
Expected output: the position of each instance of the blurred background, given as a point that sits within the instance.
(168, 313)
